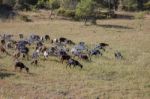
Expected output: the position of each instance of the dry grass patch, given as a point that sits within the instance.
(104, 77)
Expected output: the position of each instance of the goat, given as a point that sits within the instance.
(34, 57)
(21, 66)
(3, 42)
(95, 52)
(47, 37)
(118, 55)
(21, 36)
(74, 63)
(84, 57)
(65, 57)
(46, 54)
(70, 42)
(3, 50)
(25, 52)
(62, 39)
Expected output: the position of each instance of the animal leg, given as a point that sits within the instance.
(20, 69)
(70, 65)
(15, 68)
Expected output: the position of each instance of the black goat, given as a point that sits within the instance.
(74, 63)
(62, 39)
(103, 44)
(21, 66)
(65, 57)
(70, 42)
(47, 37)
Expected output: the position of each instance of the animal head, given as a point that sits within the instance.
(80, 65)
(27, 69)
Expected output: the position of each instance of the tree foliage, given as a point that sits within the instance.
(85, 8)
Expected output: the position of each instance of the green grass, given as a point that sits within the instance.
(104, 77)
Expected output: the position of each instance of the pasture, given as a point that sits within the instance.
(103, 78)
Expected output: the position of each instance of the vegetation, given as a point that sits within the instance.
(79, 9)
(104, 77)
(129, 5)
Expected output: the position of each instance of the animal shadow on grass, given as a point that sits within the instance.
(114, 26)
(4, 75)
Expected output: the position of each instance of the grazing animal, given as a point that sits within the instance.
(22, 44)
(70, 42)
(43, 48)
(75, 52)
(95, 52)
(45, 55)
(47, 37)
(61, 52)
(103, 44)
(35, 55)
(41, 39)
(84, 57)
(62, 39)
(34, 38)
(3, 42)
(3, 50)
(81, 43)
(74, 63)
(16, 55)
(65, 57)
(39, 44)
(21, 36)
(25, 52)
(9, 45)
(34, 62)
(118, 55)
(21, 66)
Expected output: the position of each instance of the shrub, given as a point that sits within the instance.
(85, 8)
(25, 18)
(42, 4)
(140, 15)
(147, 5)
(54, 4)
(66, 13)
(61, 11)
(69, 13)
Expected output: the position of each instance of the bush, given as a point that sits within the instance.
(25, 7)
(130, 5)
(61, 11)
(6, 11)
(54, 4)
(85, 8)
(42, 4)
(66, 13)
(69, 13)
(25, 18)
(147, 5)
(140, 15)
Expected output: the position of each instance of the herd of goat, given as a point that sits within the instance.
(63, 48)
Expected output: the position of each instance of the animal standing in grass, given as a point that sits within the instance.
(73, 62)
(21, 66)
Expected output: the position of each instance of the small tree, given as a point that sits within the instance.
(85, 9)
(54, 4)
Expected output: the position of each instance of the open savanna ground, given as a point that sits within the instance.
(103, 78)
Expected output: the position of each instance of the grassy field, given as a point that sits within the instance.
(103, 78)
